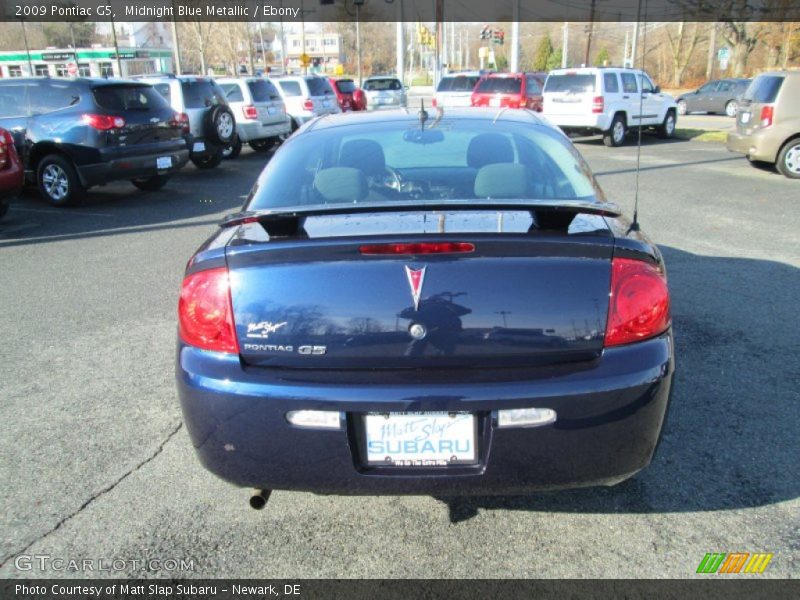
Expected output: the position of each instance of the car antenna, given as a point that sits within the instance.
(635, 223)
(423, 114)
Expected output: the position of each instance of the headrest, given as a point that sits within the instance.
(341, 184)
(489, 148)
(366, 155)
(503, 180)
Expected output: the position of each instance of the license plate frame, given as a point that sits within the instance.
(199, 147)
(163, 162)
(744, 117)
(452, 439)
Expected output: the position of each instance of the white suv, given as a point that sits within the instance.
(607, 101)
(307, 97)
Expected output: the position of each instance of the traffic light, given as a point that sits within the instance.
(486, 32)
(499, 37)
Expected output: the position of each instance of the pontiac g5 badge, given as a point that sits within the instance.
(415, 279)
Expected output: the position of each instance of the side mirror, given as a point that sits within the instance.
(406, 88)
(657, 89)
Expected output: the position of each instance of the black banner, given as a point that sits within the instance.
(295, 11)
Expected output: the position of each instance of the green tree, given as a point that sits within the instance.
(554, 61)
(602, 57)
(543, 53)
(61, 35)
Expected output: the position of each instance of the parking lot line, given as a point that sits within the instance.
(61, 212)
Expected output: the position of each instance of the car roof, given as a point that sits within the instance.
(84, 80)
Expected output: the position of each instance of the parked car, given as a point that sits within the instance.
(768, 123)
(606, 100)
(307, 97)
(718, 96)
(73, 134)
(201, 104)
(12, 174)
(261, 118)
(455, 89)
(510, 90)
(365, 326)
(384, 92)
(345, 90)
(359, 99)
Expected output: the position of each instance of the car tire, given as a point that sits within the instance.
(788, 163)
(4, 204)
(615, 135)
(233, 149)
(732, 108)
(58, 180)
(666, 130)
(220, 125)
(682, 108)
(264, 145)
(151, 184)
(209, 161)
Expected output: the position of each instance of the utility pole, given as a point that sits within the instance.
(565, 46)
(358, 42)
(712, 50)
(400, 43)
(303, 35)
(633, 43)
(515, 38)
(116, 47)
(261, 39)
(437, 66)
(27, 49)
(589, 35)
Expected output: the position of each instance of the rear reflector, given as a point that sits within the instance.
(597, 104)
(205, 314)
(525, 417)
(315, 419)
(419, 248)
(103, 122)
(638, 304)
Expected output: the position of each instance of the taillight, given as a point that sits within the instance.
(250, 112)
(308, 105)
(638, 303)
(433, 103)
(5, 143)
(418, 248)
(205, 313)
(597, 104)
(181, 120)
(767, 114)
(103, 122)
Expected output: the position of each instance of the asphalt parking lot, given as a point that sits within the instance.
(97, 465)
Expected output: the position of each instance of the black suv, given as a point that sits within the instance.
(76, 133)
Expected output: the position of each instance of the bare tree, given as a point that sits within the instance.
(682, 45)
(744, 37)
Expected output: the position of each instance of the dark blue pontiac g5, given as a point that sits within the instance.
(418, 303)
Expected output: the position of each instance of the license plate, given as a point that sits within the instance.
(326, 103)
(417, 439)
(164, 162)
(744, 117)
(272, 111)
(494, 101)
(199, 147)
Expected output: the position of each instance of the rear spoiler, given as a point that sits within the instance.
(289, 221)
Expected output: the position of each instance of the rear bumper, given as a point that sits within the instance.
(116, 165)
(579, 122)
(255, 130)
(609, 423)
(757, 147)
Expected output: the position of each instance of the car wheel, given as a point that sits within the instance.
(209, 161)
(58, 180)
(682, 108)
(4, 204)
(789, 159)
(264, 145)
(667, 129)
(151, 184)
(731, 108)
(615, 135)
(233, 149)
(220, 125)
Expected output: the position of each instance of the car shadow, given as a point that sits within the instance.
(730, 440)
(120, 208)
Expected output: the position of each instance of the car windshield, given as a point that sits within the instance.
(459, 83)
(346, 86)
(381, 85)
(570, 82)
(499, 85)
(457, 159)
(201, 93)
(764, 89)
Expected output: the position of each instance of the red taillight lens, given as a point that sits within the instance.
(250, 112)
(104, 122)
(181, 120)
(5, 144)
(418, 248)
(767, 115)
(597, 104)
(433, 103)
(205, 313)
(639, 302)
(308, 105)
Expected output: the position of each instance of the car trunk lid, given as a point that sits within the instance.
(569, 93)
(148, 117)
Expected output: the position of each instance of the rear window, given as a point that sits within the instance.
(462, 83)
(764, 89)
(201, 93)
(263, 91)
(318, 86)
(128, 97)
(163, 89)
(346, 86)
(382, 85)
(499, 85)
(570, 82)
(291, 88)
(232, 92)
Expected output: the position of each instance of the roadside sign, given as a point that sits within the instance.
(305, 60)
(483, 52)
(72, 69)
(724, 54)
(338, 70)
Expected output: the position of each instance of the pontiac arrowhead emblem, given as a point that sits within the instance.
(415, 279)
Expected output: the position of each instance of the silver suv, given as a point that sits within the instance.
(307, 97)
(203, 109)
(384, 92)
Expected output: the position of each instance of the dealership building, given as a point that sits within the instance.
(89, 62)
